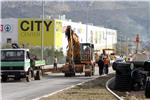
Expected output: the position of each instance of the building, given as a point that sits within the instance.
(9, 30)
(28, 31)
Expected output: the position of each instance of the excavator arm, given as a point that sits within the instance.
(73, 51)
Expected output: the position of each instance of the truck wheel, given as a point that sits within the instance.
(92, 73)
(66, 75)
(69, 74)
(93, 70)
(73, 74)
(147, 88)
(4, 78)
(17, 78)
(88, 73)
(29, 76)
(38, 75)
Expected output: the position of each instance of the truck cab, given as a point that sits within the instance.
(17, 64)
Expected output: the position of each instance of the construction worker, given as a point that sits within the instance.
(101, 63)
(55, 63)
(106, 64)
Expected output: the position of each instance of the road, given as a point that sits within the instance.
(22, 90)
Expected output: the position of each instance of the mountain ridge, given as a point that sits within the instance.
(128, 18)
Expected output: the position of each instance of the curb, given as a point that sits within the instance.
(58, 91)
(107, 87)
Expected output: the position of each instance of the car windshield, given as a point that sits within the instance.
(11, 55)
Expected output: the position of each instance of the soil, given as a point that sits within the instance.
(92, 90)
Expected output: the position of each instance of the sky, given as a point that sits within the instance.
(76, 0)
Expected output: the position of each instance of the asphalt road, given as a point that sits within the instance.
(22, 90)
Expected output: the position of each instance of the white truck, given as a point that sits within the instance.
(18, 63)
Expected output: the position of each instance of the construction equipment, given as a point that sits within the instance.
(18, 63)
(79, 56)
(110, 52)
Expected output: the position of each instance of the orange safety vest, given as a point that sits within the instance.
(106, 61)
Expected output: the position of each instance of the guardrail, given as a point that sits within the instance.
(109, 82)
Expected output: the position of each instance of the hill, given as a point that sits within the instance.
(129, 18)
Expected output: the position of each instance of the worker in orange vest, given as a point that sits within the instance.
(106, 64)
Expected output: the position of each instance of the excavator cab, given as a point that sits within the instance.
(86, 53)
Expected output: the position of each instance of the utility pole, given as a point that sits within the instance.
(127, 46)
(87, 14)
(121, 44)
(106, 39)
(42, 34)
(137, 43)
(87, 24)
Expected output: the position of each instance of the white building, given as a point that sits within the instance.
(9, 30)
(101, 37)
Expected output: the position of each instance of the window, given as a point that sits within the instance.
(12, 55)
(8, 40)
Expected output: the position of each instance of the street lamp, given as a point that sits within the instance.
(127, 51)
(106, 39)
(87, 26)
(88, 6)
(42, 34)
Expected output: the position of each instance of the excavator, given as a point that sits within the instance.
(79, 56)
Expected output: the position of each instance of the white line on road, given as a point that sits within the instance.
(47, 95)
(64, 89)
